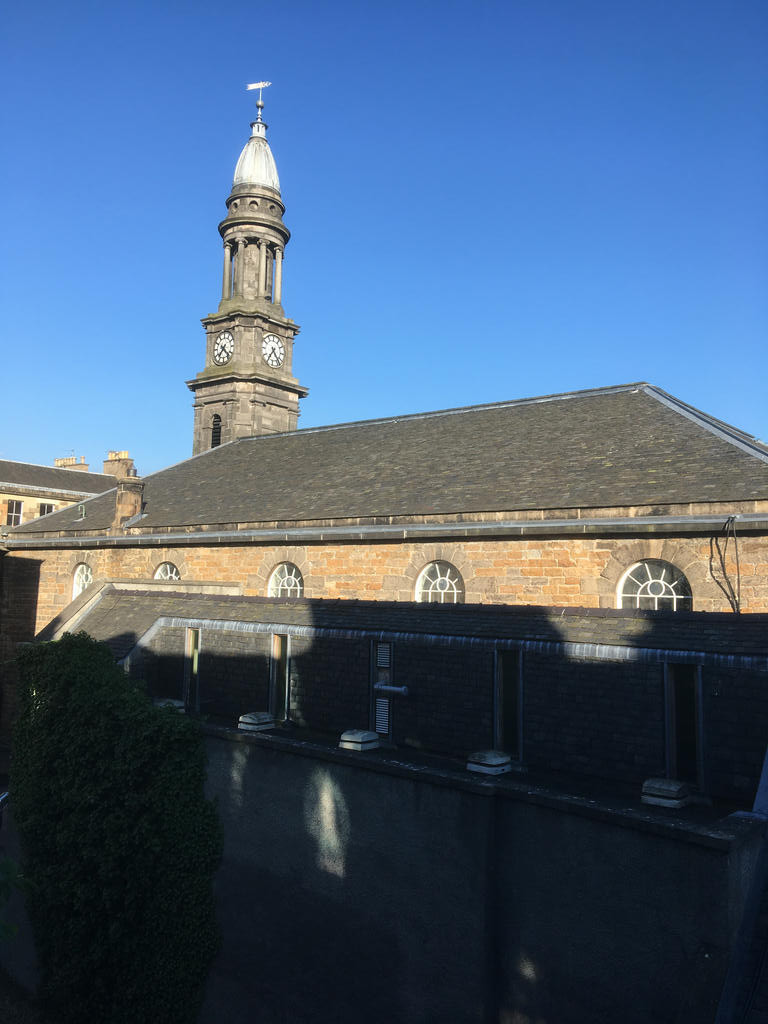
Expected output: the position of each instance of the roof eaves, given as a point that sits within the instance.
(8, 485)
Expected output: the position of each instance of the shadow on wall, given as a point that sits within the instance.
(349, 894)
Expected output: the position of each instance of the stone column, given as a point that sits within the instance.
(237, 266)
(226, 287)
(270, 268)
(278, 292)
(240, 267)
(261, 288)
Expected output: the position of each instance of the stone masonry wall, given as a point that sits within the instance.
(583, 572)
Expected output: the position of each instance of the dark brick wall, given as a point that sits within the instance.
(330, 683)
(591, 718)
(449, 707)
(735, 731)
(160, 664)
(234, 673)
(594, 718)
(233, 670)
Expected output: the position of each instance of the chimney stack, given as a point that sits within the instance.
(70, 462)
(119, 464)
(128, 503)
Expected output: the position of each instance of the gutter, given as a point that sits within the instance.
(752, 522)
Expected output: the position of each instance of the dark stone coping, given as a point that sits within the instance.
(699, 825)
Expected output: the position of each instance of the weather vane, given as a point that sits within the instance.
(259, 102)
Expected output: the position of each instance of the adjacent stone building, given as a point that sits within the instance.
(28, 491)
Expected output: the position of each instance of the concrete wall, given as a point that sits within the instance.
(361, 890)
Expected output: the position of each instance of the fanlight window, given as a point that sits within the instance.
(83, 578)
(655, 585)
(440, 582)
(167, 571)
(286, 581)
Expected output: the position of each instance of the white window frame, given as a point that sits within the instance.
(286, 581)
(439, 582)
(167, 572)
(656, 580)
(14, 518)
(82, 579)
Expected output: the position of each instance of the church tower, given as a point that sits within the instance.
(247, 386)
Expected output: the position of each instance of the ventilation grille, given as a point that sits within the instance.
(383, 655)
(382, 716)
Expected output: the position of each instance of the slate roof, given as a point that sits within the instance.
(28, 475)
(628, 445)
(123, 613)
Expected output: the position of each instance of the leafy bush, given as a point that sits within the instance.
(9, 880)
(119, 843)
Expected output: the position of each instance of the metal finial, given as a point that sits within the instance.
(259, 102)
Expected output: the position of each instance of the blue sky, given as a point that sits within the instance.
(488, 200)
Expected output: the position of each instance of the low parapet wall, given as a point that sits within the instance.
(364, 887)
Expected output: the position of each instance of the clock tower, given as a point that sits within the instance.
(247, 386)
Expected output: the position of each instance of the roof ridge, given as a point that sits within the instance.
(458, 410)
(58, 469)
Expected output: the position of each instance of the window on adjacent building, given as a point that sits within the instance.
(440, 582)
(654, 585)
(83, 578)
(683, 711)
(508, 701)
(286, 581)
(46, 507)
(279, 697)
(192, 669)
(13, 517)
(167, 571)
(216, 431)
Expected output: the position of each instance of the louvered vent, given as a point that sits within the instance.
(383, 655)
(382, 716)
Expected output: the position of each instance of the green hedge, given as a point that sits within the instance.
(119, 843)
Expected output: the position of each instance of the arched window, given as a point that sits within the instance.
(655, 586)
(440, 582)
(286, 581)
(215, 430)
(83, 578)
(167, 571)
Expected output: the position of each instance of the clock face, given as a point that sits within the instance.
(223, 349)
(273, 350)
